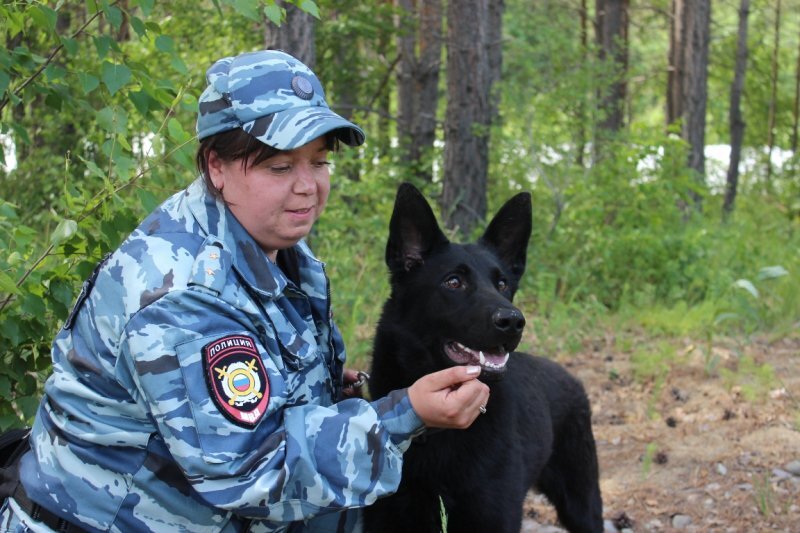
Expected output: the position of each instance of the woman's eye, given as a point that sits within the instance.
(321, 164)
(453, 282)
(280, 169)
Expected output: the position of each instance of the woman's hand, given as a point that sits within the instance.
(353, 383)
(450, 398)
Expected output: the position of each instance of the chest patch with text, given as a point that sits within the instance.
(236, 378)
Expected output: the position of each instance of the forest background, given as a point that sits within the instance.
(598, 108)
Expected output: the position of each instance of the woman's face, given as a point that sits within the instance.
(278, 200)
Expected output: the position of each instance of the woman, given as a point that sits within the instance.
(198, 383)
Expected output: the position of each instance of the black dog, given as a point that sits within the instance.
(450, 304)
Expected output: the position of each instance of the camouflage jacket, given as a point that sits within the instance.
(194, 388)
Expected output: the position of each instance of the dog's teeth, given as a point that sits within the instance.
(482, 358)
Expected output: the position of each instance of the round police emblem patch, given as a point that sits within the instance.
(302, 87)
(237, 380)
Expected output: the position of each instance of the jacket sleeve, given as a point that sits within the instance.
(300, 459)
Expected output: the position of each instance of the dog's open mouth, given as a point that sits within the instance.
(491, 361)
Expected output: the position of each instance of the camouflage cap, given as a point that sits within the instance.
(272, 96)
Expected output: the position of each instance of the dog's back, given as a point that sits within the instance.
(451, 304)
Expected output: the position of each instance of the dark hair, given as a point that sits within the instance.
(238, 144)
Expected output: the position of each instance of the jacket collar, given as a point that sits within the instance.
(249, 260)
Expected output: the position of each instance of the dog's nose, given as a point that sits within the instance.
(508, 320)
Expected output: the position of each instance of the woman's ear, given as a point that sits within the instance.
(215, 170)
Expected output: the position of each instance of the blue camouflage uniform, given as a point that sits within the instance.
(196, 386)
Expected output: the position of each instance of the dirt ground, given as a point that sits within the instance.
(703, 448)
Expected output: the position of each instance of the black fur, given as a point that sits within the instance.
(537, 429)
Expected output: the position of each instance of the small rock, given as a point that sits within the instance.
(779, 474)
(793, 468)
(681, 521)
(549, 529)
(679, 395)
(711, 487)
(655, 525)
(722, 470)
(609, 527)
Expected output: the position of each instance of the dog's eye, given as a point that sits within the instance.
(453, 282)
(502, 285)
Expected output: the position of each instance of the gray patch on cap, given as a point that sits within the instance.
(302, 87)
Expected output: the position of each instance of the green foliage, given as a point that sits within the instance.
(648, 458)
(753, 380)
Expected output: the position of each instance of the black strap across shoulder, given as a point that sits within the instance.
(13, 443)
(39, 513)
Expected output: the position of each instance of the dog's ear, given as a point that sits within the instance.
(509, 231)
(413, 230)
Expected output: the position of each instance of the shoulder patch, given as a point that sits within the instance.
(236, 379)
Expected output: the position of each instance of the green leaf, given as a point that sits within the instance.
(146, 5)
(102, 44)
(54, 72)
(5, 387)
(113, 119)
(123, 141)
(7, 284)
(65, 229)
(147, 199)
(724, 317)
(178, 64)
(93, 169)
(176, 131)
(113, 15)
(746, 285)
(61, 292)
(138, 26)
(70, 45)
(248, 8)
(115, 76)
(43, 16)
(28, 405)
(88, 82)
(141, 101)
(33, 304)
(123, 165)
(274, 13)
(310, 7)
(165, 43)
(772, 272)
(4, 81)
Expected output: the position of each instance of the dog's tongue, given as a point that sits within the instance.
(493, 360)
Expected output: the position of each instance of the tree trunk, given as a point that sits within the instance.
(582, 119)
(469, 112)
(612, 40)
(698, 24)
(494, 53)
(676, 70)
(418, 81)
(737, 124)
(406, 48)
(295, 36)
(796, 109)
(773, 101)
